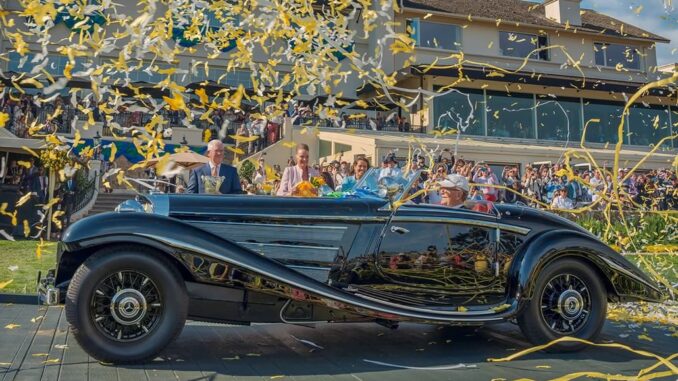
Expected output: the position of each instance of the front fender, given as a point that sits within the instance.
(625, 282)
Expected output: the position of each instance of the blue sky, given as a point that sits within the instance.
(653, 17)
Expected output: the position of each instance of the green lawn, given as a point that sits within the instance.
(22, 254)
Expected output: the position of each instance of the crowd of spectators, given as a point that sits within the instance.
(553, 185)
(541, 186)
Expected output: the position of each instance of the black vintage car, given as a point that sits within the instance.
(131, 278)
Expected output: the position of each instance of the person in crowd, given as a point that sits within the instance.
(360, 167)
(532, 185)
(215, 167)
(327, 177)
(453, 191)
(439, 174)
(389, 167)
(68, 191)
(483, 175)
(297, 173)
(39, 184)
(560, 199)
(259, 176)
(335, 171)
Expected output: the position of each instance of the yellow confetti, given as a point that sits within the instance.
(24, 199)
(3, 119)
(462, 309)
(6, 283)
(12, 326)
(114, 150)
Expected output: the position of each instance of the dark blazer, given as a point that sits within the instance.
(231, 184)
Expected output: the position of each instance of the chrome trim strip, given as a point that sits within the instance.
(467, 313)
(298, 267)
(273, 225)
(293, 252)
(292, 216)
(289, 246)
(415, 313)
(462, 221)
(263, 232)
(441, 208)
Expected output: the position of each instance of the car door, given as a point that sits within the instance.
(438, 262)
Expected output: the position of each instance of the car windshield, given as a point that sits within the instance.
(380, 182)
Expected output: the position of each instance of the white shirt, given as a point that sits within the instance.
(560, 202)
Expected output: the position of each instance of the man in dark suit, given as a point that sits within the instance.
(215, 167)
(68, 190)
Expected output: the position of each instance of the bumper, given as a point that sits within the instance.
(48, 293)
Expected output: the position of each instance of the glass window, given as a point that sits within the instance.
(325, 148)
(522, 45)
(609, 114)
(424, 253)
(648, 125)
(55, 66)
(219, 75)
(558, 118)
(341, 148)
(460, 109)
(434, 35)
(612, 54)
(510, 115)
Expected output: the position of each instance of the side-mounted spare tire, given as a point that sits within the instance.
(569, 299)
(126, 304)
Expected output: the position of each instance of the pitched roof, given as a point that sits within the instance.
(526, 12)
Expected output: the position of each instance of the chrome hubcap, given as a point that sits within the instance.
(126, 306)
(565, 304)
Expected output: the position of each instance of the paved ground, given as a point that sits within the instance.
(42, 348)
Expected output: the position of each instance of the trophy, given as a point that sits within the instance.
(212, 184)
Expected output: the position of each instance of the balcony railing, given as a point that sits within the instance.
(362, 125)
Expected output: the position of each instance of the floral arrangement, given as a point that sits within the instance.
(317, 181)
(309, 188)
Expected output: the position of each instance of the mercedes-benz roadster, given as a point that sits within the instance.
(131, 278)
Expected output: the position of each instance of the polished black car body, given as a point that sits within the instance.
(243, 259)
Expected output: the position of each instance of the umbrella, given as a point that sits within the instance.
(188, 160)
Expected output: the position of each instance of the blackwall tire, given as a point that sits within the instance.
(580, 301)
(149, 301)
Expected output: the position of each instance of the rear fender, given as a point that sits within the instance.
(625, 282)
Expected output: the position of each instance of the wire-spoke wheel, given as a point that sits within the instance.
(568, 300)
(126, 304)
(565, 304)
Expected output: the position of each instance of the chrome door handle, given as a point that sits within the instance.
(399, 230)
